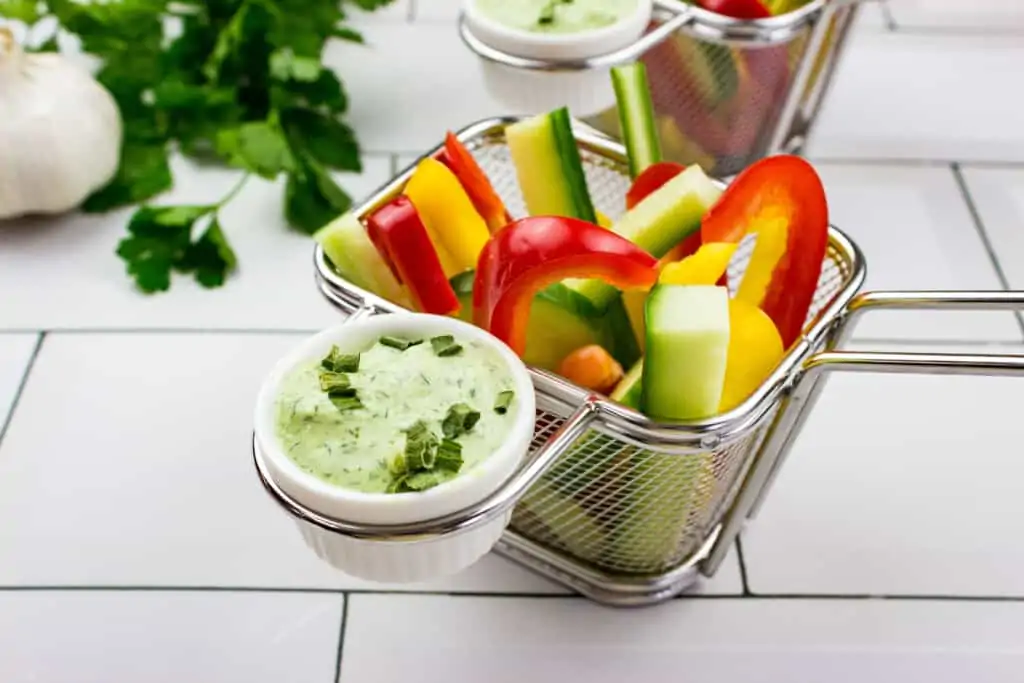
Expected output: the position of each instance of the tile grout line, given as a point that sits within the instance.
(342, 627)
(271, 331)
(162, 330)
(825, 159)
(393, 164)
(913, 162)
(979, 226)
(993, 31)
(348, 593)
(21, 386)
(743, 566)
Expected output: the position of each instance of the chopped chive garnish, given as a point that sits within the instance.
(445, 345)
(421, 481)
(503, 401)
(459, 420)
(396, 466)
(335, 382)
(449, 455)
(420, 445)
(344, 403)
(336, 361)
(547, 13)
(426, 461)
(398, 342)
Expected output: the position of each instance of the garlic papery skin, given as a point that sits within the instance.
(60, 132)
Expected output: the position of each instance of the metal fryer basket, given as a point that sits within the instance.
(726, 92)
(624, 509)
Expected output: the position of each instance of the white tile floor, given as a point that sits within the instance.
(755, 641)
(924, 502)
(137, 545)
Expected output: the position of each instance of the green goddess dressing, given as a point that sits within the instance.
(356, 440)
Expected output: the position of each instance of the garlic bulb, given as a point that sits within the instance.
(60, 132)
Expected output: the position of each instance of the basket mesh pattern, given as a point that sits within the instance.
(718, 105)
(618, 507)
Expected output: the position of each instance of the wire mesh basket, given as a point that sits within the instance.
(617, 506)
(726, 92)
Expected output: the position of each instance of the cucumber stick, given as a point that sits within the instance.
(636, 116)
(628, 390)
(353, 255)
(687, 351)
(548, 166)
(659, 222)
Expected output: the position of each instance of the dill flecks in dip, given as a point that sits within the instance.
(414, 413)
(556, 16)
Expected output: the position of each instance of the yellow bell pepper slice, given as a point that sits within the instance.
(755, 349)
(603, 220)
(456, 229)
(703, 267)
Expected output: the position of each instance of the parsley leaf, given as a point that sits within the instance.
(323, 138)
(241, 82)
(285, 65)
(158, 239)
(144, 172)
(349, 34)
(25, 11)
(210, 258)
(258, 146)
(312, 198)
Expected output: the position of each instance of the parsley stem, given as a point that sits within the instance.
(233, 193)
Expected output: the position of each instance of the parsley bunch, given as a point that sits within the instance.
(236, 82)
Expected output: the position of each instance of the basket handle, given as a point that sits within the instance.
(807, 386)
(920, 363)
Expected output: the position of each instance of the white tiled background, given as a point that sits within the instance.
(136, 544)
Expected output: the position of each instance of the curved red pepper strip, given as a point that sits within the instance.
(649, 180)
(530, 254)
(782, 200)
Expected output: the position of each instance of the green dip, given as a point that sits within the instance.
(352, 448)
(556, 16)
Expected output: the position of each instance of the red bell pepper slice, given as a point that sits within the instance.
(402, 239)
(782, 200)
(375, 237)
(532, 253)
(649, 180)
(737, 9)
(485, 200)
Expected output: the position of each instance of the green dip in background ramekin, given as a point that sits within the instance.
(556, 16)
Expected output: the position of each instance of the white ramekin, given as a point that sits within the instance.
(526, 92)
(393, 560)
